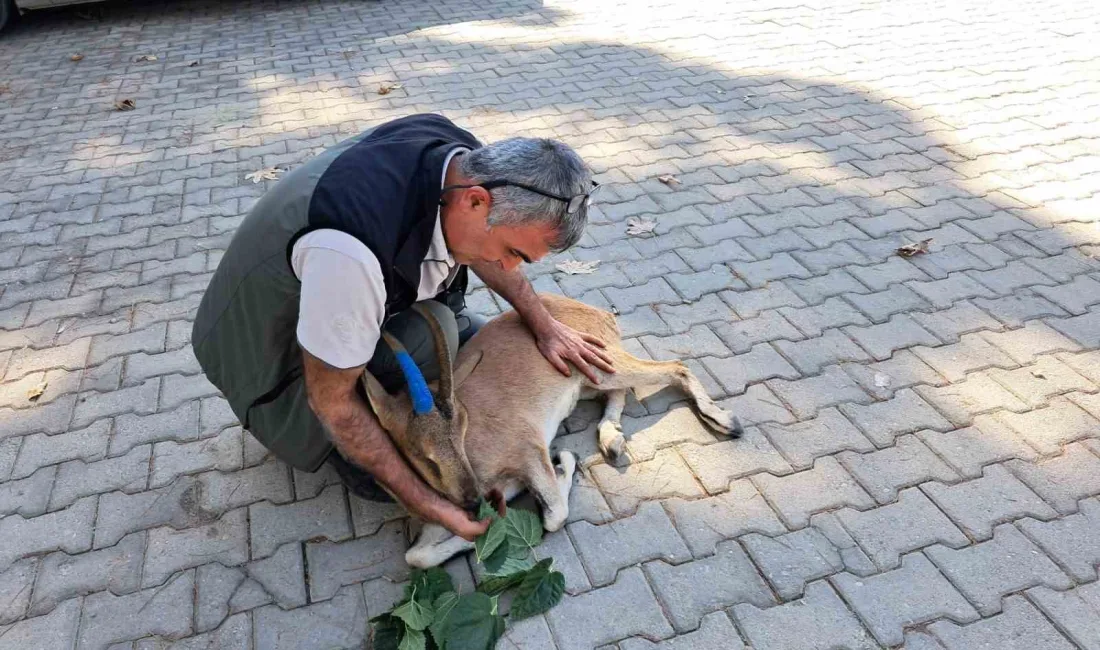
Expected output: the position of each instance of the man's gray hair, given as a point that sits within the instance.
(549, 165)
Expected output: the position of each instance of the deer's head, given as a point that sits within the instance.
(429, 427)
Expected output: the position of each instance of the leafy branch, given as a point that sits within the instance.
(433, 616)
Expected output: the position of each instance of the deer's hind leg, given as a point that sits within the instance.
(611, 441)
(631, 372)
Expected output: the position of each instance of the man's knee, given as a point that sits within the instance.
(415, 334)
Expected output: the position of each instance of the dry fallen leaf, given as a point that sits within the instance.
(909, 250)
(76, 57)
(640, 227)
(669, 179)
(266, 174)
(36, 392)
(386, 89)
(125, 105)
(573, 267)
(146, 57)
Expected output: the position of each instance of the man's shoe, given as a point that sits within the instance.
(358, 481)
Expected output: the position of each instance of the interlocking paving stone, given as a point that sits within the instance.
(272, 525)
(76, 479)
(890, 531)
(742, 335)
(962, 318)
(736, 373)
(971, 353)
(29, 496)
(1029, 341)
(169, 551)
(818, 621)
(730, 574)
(716, 465)
(811, 355)
(703, 523)
(979, 504)
(1064, 480)
(647, 535)
(170, 459)
(69, 530)
(559, 546)
(807, 396)
(790, 561)
(1019, 627)
(164, 611)
(902, 370)
(1071, 540)
(970, 449)
(715, 633)
(337, 623)
(1047, 429)
(647, 435)
(978, 394)
(16, 584)
(883, 422)
(625, 608)
(62, 576)
(912, 594)
(803, 442)
(60, 626)
(797, 496)
(1076, 612)
(909, 462)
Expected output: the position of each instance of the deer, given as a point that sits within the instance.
(485, 430)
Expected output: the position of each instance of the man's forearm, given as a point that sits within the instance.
(514, 287)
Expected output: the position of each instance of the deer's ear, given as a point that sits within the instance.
(466, 367)
(386, 407)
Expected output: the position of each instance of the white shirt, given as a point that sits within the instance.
(343, 297)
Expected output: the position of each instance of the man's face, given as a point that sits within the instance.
(509, 246)
(472, 240)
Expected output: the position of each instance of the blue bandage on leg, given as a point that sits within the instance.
(422, 400)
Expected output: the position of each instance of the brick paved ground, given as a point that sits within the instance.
(924, 461)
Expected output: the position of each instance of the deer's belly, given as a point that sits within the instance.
(558, 410)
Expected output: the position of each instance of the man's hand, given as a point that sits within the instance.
(560, 343)
(459, 522)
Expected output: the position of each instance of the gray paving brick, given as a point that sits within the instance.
(979, 394)
(970, 449)
(909, 462)
(758, 404)
(777, 267)
(643, 321)
(282, 575)
(181, 424)
(1076, 611)
(1016, 309)
(817, 621)
(16, 584)
(272, 525)
(1034, 339)
(224, 541)
(736, 373)
(750, 303)
(881, 305)
(884, 378)
(559, 546)
(732, 577)
(1082, 329)
(715, 633)
(692, 286)
(141, 366)
(890, 531)
(980, 504)
(69, 530)
(828, 433)
(646, 535)
(28, 496)
(60, 625)
(140, 399)
(1047, 429)
(911, 594)
(741, 336)
(1070, 541)
(170, 459)
(709, 308)
(970, 354)
(797, 496)
(716, 465)
(163, 611)
(601, 616)
(335, 623)
(62, 576)
(893, 271)
(9, 453)
(1075, 297)
(234, 634)
(943, 293)
(805, 397)
(782, 241)
(1020, 627)
(655, 291)
(148, 340)
(1037, 383)
(833, 312)
(333, 565)
(833, 283)
(1010, 278)
(77, 479)
(704, 523)
(791, 561)
(70, 356)
(40, 450)
(179, 389)
(215, 415)
(696, 342)
(811, 355)
(1064, 480)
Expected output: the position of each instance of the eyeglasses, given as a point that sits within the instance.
(572, 203)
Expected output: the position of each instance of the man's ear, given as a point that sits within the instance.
(466, 367)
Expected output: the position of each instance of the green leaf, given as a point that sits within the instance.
(417, 616)
(486, 509)
(510, 557)
(540, 590)
(413, 640)
(493, 585)
(524, 525)
(470, 624)
(428, 584)
(491, 539)
(443, 606)
(387, 632)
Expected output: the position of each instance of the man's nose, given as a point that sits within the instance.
(510, 264)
